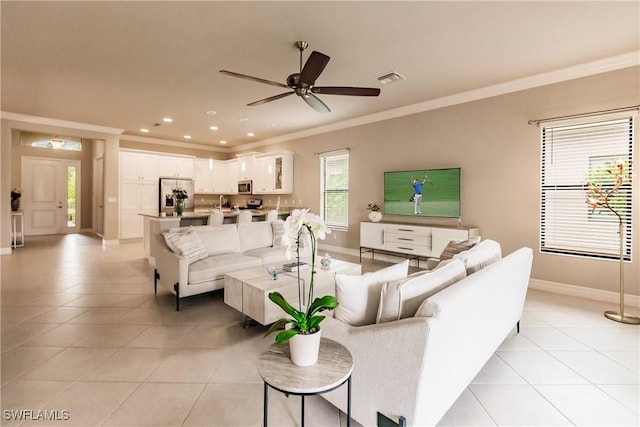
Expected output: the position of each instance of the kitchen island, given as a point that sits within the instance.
(156, 224)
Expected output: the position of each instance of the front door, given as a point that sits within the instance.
(49, 196)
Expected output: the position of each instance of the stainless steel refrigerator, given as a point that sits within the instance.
(166, 201)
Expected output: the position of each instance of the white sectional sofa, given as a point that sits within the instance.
(416, 367)
(194, 260)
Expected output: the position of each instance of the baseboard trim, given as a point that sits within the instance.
(111, 242)
(6, 251)
(584, 292)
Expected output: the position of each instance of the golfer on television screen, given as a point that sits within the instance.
(417, 193)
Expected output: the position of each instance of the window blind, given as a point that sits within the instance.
(573, 154)
(334, 189)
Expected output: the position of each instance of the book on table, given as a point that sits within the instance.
(295, 266)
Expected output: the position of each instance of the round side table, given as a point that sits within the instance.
(333, 369)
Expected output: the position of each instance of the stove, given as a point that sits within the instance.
(254, 204)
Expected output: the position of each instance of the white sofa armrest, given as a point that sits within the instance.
(388, 362)
(171, 267)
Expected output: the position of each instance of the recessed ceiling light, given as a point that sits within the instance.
(213, 127)
(271, 125)
(250, 134)
(223, 142)
(145, 130)
(167, 119)
(187, 137)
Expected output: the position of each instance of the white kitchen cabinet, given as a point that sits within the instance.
(203, 175)
(245, 167)
(273, 173)
(231, 177)
(136, 166)
(176, 166)
(137, 196)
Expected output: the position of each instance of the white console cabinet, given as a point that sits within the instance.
(410, 240)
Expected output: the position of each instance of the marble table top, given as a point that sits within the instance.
(334, 366)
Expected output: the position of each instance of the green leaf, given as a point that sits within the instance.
(280, 324)
(277, 298)
(286, 335)
(314, 322)
(326, 302)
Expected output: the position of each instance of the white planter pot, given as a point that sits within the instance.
(375, 216)
(304, 349)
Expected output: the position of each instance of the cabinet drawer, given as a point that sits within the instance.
(408, 248)
(408, 229)
(407, 239)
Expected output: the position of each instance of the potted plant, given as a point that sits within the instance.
(15, 199)
(180, 194)
(374, 215)
(302, 330)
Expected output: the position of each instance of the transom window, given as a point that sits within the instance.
(54, 142)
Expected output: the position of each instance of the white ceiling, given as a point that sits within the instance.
(129, 64)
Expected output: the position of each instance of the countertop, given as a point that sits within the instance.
(205, 214)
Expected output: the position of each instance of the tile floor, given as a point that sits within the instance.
(84, 335)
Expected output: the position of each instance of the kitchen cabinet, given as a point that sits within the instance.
(136, 166)
(178, 166)
(203, 175)
(273, 173)
(245, 167)
(139, 173)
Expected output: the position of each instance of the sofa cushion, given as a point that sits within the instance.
(400, 299)
(454, 247)
(220, 239)
(269, 255)
(277, 228)
(255, 235)
(359, 295)
(484, 253)
(186, 243)
(216, 266)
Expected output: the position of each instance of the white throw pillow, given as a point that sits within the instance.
(186, 243)
(478, 257)
(359, 295)
(400, 299)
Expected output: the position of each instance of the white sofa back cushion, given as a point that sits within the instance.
(481, 255)
(186, 243)
(254, 235)
(400, 299)
(221, 239)
(359, 295)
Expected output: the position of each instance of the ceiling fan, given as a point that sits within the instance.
(302, 83)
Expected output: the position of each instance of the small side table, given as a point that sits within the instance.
(333, 369)
(17, 217)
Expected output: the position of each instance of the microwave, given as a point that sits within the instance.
(245, 187)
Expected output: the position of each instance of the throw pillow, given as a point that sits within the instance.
(454, 247)
(186, 243)
(484, 253)
(277, 228)
(359, 295)
(401, 298)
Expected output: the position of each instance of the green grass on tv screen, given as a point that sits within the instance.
(440, 192)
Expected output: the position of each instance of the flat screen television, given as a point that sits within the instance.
(440, 189)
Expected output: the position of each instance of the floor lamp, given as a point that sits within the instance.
(599, 197)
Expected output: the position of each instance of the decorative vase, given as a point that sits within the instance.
(180, 206)
(304, 349)
(15, 205)
(375, 216)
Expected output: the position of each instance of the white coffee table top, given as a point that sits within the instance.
(334, 366)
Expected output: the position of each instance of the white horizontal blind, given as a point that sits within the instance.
(572, 155)
(334, 189)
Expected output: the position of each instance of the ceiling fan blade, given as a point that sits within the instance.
(346, 90)
(315, 103)
(255, 79)
(271, 98)
(313, 68)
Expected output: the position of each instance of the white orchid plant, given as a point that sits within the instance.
(302, 226)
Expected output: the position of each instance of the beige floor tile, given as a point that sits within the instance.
(110, 335)
(228, 405)
(57, 315)
(22, 333)
(161, 336)
(61, 336)
(597, 368)
(466, 411)
(88, 403)
(238, 366)
(100, 315)
(187, 366)
(127, 364)
(626, 394)
(70, 364)
(156, 404)
(211, 336)
(28, 395)
(22, 360)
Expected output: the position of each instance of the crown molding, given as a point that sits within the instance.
(613, 63)
(25, 118)
(171, 143)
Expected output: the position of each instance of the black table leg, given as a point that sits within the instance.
(349, 402)
(302, 415)
(266, 403)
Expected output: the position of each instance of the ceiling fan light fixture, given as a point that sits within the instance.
(391, 77)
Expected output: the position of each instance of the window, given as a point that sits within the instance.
(55, 142)
(334, 189)
(573, 154)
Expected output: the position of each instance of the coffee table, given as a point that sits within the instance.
(333, 369)
(248, 290)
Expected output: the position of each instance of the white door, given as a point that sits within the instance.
(50, 202)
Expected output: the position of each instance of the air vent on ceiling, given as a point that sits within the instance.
(391, 78)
